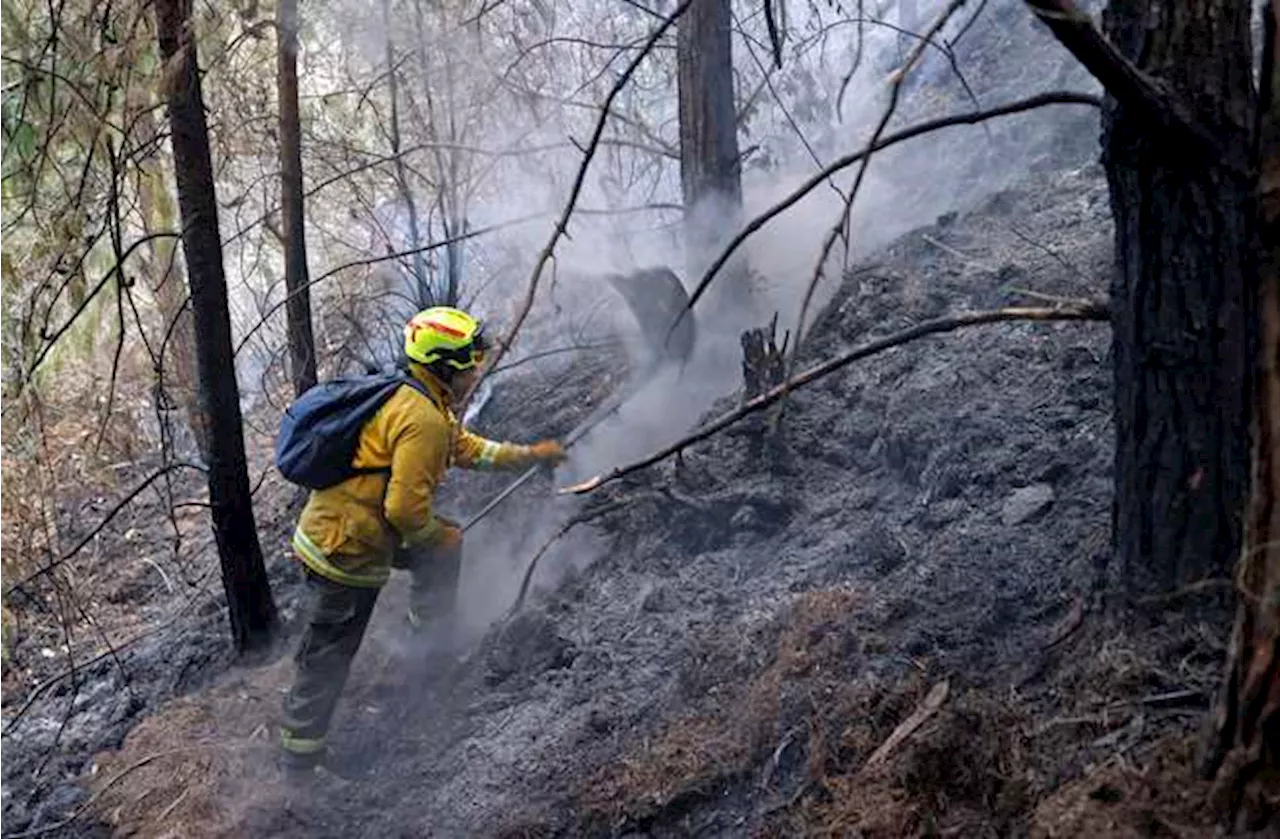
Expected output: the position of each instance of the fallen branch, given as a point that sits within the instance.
(574, 521)
(927, 127)
(1084, 310)
(926, 709)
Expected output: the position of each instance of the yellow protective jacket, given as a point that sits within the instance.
(349, 532)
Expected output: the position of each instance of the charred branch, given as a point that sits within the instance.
(1085, 311)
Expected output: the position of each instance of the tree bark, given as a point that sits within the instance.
(710, 173)
(250, 605)
(1182, 296)
(1244, 737)
(302, 344)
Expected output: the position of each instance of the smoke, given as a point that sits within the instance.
(1006, 56)
(503, 107)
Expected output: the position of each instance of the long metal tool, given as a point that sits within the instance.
(598, 416)
(655, 297)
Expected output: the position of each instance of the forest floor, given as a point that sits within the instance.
(891, 621)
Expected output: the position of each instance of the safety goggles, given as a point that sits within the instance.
(472, 355)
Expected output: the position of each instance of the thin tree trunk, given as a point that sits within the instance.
(177, 382)
(302, 344)
(421, 282)
(251, 608)
(1184, 326)
(1244, 743)
(710, 174)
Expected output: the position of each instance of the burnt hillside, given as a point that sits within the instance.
(886, 624)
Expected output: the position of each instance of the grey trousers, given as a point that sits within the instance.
(337, 617)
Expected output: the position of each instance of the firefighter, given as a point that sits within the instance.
(351, 535)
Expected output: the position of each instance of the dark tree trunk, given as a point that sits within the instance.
(710, 174)
(1244, 743)
(244, 577)
(302, 344)
(1181, 297)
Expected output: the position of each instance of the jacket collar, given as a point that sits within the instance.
(438, 389)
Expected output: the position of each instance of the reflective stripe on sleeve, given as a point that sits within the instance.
(488, 453)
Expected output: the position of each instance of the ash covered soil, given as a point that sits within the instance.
(883, 622)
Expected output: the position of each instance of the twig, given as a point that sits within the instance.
(603, 345)
(160, 571)
(100, 526)
(841, 227)
(120, 776)
(926, 709)
(1089, 311)
(374, 260)
(574, 521)
(1068, 625)
(775, 40)
(1039, 295)
(958, 254)
(929, 126)
(1198, 587)
(110, 652)
(1053, 252)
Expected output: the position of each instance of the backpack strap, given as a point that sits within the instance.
(404, 378)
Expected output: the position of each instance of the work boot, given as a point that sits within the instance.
(300, 766)
(311, 768)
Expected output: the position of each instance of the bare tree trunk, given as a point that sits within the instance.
(250, 605)
(176, 383)
(421, 282)
(449, 191)
(710, 173)
(1244, 742)
(1184, 326)
(302, 344)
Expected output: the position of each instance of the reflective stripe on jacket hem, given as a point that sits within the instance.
(315, 559)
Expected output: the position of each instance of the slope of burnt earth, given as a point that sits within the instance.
(765, 616)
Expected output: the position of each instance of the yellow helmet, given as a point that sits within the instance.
(447, 335)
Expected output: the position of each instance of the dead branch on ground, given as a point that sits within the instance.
(575, 520)
(926, 709)
(1084, 310)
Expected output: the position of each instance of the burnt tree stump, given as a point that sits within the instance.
(762, 359)
(763, 368)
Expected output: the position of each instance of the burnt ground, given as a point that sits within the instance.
(147, 615)
(892, 621)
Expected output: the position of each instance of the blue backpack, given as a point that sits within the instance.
(320, 432)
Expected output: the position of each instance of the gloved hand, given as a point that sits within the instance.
(548, 451)
(448, 537)
(442, 536)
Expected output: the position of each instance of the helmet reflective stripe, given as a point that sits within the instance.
(444, 334)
